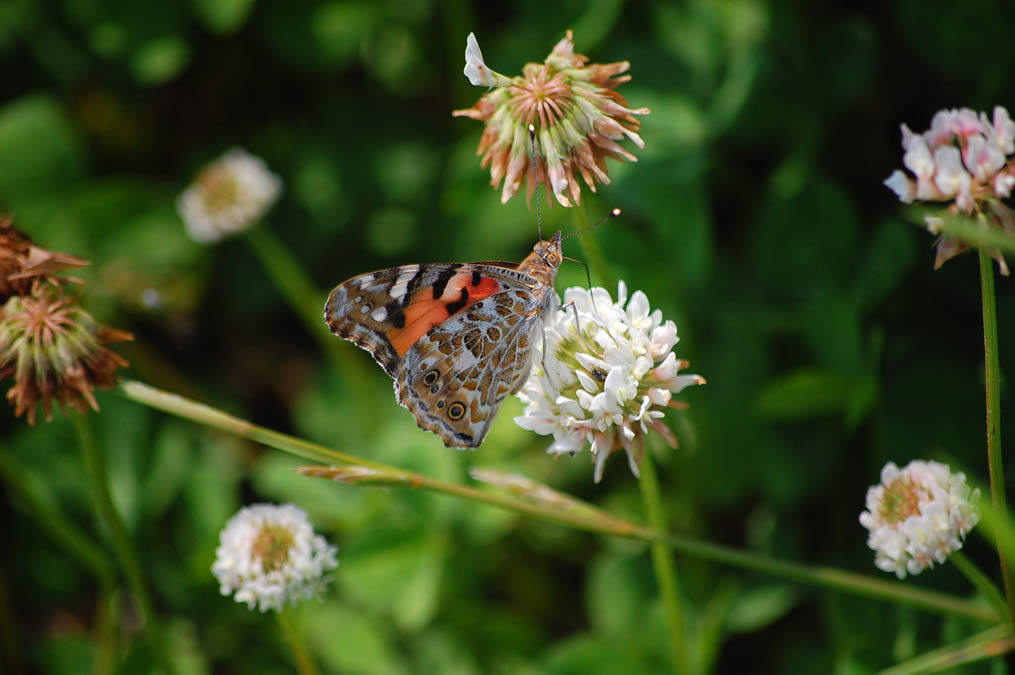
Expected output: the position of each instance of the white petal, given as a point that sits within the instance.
(900, 184)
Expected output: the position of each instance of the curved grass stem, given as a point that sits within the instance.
(374, 473)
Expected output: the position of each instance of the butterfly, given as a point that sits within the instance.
(456, 338)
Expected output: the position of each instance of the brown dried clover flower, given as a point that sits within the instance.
(22, 263)
(49, 344)
(577, 114)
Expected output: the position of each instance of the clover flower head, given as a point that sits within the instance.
(577, 115)
(608, 374)
(963, 160)
(54, 349)
(228, 196)
(918, 515)
(268, 556)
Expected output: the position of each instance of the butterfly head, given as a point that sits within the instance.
(544, 260)
(549, 251)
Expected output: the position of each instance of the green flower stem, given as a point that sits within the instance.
(859, 584)
(306, 301)
(592, 251)
(993, 390)
(96, 468)
(31, 496)
(981, 582)
(105, 635)
(304, 664)
(665, 567)
(988, 644)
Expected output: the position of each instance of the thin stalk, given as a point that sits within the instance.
(25, 489)
(980, 581)
(304, 663)
(992, 377)
(665, 567)
(988, 644)
(96, 468)
(30, 496)
(818, 576)
(105, 635)
(592, 251)
(305, 300)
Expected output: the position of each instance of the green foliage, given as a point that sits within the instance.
(755, 218)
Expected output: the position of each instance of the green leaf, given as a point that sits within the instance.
(890, 257)
(395, 570)
(806, 235)
(222, 16)
(66, 653)
(832, 325)
(617, 594)
(348, 640)
(806, 392)
(338, 29)
(756, 608)
(585, 655)
(159, 60)
(39, 150)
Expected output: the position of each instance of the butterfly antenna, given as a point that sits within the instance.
(612, 214)
(532, 152)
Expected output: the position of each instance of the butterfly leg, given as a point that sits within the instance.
(588, 280)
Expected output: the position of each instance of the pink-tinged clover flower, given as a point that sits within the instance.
(607, 384)
(965, 159)
(918, 516)
(575, 109)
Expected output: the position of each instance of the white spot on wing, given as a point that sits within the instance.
(465, 360)
(380, 314)
(401, 285)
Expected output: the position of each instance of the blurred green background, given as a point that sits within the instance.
(755, 218)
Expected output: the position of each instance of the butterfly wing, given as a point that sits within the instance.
(458, 374)
(452, 336)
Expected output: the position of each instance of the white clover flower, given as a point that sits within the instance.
(962, 159)
(476, 69)
(608, 385)
(268, 555)
(228, 196)
(918, 515)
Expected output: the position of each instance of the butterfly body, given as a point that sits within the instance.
(456, 338)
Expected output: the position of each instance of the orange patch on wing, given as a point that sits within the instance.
(487, 286)
(424, 312)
